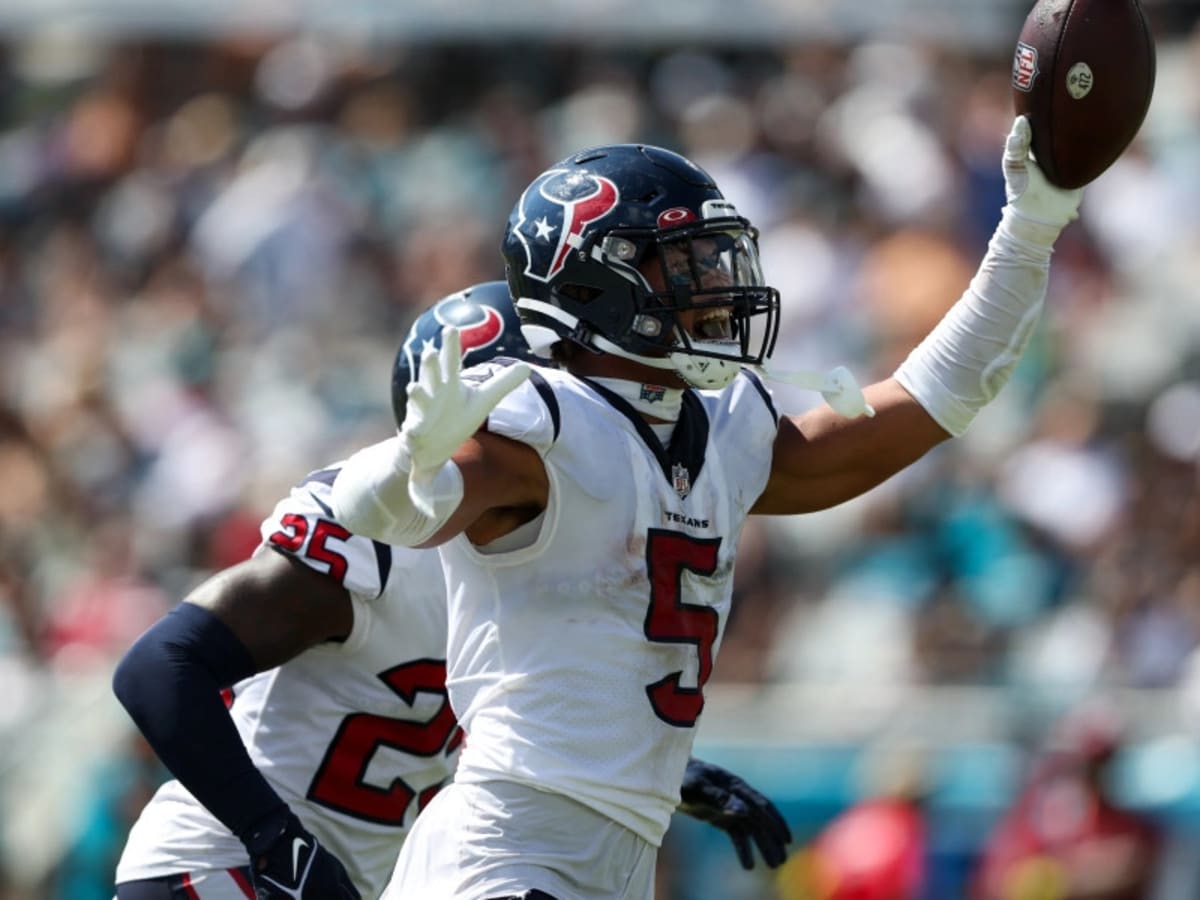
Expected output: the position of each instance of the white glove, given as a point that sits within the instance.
(1029, 194)
(443, 411)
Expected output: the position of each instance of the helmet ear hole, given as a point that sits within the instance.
(580, 293)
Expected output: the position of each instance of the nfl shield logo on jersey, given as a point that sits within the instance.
(653, 393)
(680, 480)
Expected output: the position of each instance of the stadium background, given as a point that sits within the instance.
(216, 219)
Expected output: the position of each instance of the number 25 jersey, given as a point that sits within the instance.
(577, 661)
(355, 736)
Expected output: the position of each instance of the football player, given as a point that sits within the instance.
(336, 730)
(588, 517)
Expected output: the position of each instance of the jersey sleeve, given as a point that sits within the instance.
(528, 414)
(303, 526)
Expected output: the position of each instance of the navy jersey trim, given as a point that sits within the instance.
(383, 559)
(547, 394)
(688, 441)
(322, 476)
(762, 392)
(690, 438)
(325, 507)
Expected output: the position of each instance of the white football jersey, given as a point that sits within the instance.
(357, 737)
(577, 662)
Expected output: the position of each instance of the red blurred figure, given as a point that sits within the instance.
(1064, 838)
(875, 850)
(105, 606)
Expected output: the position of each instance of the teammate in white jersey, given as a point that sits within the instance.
(338, 730)
(587, 519)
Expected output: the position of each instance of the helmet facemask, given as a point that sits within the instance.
(712, 287)
(691, 299)
(632, 250)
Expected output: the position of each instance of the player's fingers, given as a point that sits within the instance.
(767, 813)
(779, 823)
(772, 843)
(773, 852)
(420, 398)
(451, 355)
(771, 831)
(745, 852)
(503, 383)
(429, 373)
(1020, 137)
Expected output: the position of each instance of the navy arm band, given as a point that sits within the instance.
(170, 682)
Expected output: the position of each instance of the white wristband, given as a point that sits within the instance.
(969, 356)
(371, 495)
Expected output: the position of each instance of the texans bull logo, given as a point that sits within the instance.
(576, 200)
(478, 326)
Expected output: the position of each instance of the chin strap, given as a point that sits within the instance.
(706, 373)
(838, 386)
(703, 372)
(604, 345)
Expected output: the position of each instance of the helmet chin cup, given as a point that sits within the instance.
(702, 372)
(705, 372)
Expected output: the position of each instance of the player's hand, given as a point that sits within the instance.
(288, 863)
(444, 410)
(1029, 193)
(717, 796)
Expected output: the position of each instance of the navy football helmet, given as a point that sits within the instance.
(487, 322)
(607, 247)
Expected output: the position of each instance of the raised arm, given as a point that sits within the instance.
(822, 459)
(440, 475)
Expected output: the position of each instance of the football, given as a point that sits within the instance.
(1083, 74)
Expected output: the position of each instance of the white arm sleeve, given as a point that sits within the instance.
(969, 356)
(371, 495)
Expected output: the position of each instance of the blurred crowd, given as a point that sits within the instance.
(209, 250)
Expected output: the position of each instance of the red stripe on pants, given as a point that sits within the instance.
(242, 882)
(186, 882)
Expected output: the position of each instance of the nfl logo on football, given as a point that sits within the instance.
(680, 480)
(1025, 68)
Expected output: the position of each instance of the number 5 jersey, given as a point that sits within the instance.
(580, 644)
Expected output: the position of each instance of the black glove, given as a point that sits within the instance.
(714, 795)
(288, 863)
